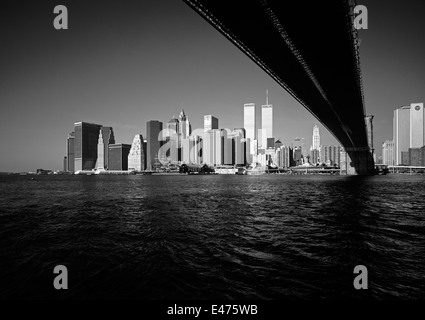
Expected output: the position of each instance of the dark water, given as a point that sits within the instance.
(212, 237)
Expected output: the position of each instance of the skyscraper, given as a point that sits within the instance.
(266, 122)
(118, 156)
(153, 131)
(238, 146)
(331, 155)
(417, 125)
(173, 140)
(388, 153)
(70, 152)
(210, 122)
(137, 154)
(100, 163)
(401, 132)
(185, 128)
(249, 120)
(300, 143)
(316, 138)
(106, 137)
(85, 145)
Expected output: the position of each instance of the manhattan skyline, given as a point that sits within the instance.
(123, 64)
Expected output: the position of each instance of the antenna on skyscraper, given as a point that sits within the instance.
(267, 96)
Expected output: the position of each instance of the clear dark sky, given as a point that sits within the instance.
(122, 63)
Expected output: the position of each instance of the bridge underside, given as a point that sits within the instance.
(310, 49)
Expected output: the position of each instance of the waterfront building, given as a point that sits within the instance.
(298, 156)
(299, 143)
(185, 128)
(85, 145)
(137, 154)
(271, 156)
(405, 161)
(266, 122)
(210, 122)
(215, 148)
(278, 144)
(316, 138)
(343, 165)
(249, 121)
(330, 155)
(416, 157)
(238, 146)
(315, 156)
(70, 153)
(154, 143)
(401, 133)
(185, 150)
(284, 157)
(417, 125)
(220, 150)
(118, 156)
(260, 160)
(172, 125)
(172, 140)
(248, 155)
(388, 153)
(207, 148)
(192, 150)
(100, 163)
(106, 137)
(270, 143)
(254, 146)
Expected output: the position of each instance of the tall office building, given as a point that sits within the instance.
(284, 156)
(388, 153)
(315, 156)
(401, 132)
(215, 147)
(266, 122)
(210, 122)
(316, 138)
(207, 147)
(417, 125)
(330, 155)
(154, 142)
(196, 148)
(249, 120)
(238, 146)
(106, 137)
(85, 145)
(70, 152)
(299, 143)
(278, 144)
(137, 154)
(100, 163)
(185, 128)
(172, 125)
(118, 156)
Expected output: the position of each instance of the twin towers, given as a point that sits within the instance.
(263, 138)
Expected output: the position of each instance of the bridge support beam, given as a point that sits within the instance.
(359, 162)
